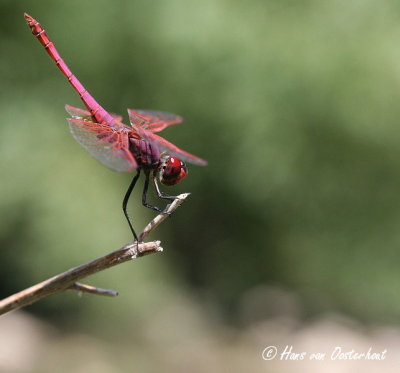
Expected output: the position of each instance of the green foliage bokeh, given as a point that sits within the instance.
(294, 105)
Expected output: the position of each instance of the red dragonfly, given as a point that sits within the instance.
(118, 146)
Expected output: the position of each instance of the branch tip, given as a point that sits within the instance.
(82, 288)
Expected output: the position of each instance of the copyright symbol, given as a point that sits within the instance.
(269, 353)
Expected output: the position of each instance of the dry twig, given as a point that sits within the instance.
(68, 279)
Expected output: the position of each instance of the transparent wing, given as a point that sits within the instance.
(108, 146)
(152, 120)
(166, 146)
(117, 117)
(78, 113)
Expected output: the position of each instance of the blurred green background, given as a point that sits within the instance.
(293, 103)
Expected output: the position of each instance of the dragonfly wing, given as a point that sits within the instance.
(166, 146)
(108, 146)
(78, 113)
(152, 120)
(117, 117)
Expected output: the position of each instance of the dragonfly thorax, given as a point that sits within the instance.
(172, 171)
(147, 154)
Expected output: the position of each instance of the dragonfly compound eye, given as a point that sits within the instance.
(173, 171)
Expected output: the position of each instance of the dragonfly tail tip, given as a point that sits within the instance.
(29, 18)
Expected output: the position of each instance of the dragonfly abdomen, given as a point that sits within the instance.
(98, 113)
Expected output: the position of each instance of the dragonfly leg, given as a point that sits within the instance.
(126, 199)
(144, 195)
(160, 193)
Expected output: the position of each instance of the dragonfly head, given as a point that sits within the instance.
(172, 170)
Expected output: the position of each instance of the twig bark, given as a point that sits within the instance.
(68, 279)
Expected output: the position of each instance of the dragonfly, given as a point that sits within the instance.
(120, 147)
